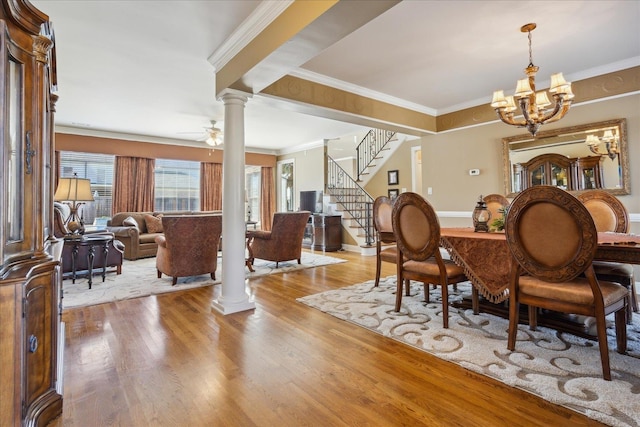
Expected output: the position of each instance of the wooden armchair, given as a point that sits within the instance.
(417, 231)
(189, 246)
(283, 242)
(609, 214)
(553, 239)
(382, 209)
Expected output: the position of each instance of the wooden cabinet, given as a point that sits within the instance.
(584, 173)
(323, 233)
(548, 169)
(588, 173)
(30, 277)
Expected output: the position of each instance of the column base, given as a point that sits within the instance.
(226, 307)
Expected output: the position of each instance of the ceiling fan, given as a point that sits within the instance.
(213, 135)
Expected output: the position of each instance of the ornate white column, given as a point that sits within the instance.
(233, 297)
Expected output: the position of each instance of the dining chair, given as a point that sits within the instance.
(553, 239)
(609, 214)
(382, 209)
(417, 232)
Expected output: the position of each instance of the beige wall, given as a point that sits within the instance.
(308, 170)
(447, 158)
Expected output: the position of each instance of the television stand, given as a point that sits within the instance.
(323, 233)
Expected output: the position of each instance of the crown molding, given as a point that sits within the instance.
(262, 16)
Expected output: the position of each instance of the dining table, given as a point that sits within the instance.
(487, 262)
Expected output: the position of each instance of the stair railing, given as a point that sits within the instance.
(371, 145)
(351, 196)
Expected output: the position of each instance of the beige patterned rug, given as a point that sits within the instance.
(561, 368)
(139, 278)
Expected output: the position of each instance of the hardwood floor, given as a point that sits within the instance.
(170, 360)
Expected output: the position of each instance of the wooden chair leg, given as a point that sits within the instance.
(378, 268)
(174, 281)
(514, 311)
(533, 318)
(407, 287)
(601, 327)
(213, 276)
(398, 292)
(445, 305)
(159, 274)
(621, 330)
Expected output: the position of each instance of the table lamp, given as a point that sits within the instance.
(75, 192)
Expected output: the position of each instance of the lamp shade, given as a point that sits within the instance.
(73, 189)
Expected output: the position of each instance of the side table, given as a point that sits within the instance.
(91, 242)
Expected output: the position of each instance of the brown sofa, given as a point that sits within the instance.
(138, 241)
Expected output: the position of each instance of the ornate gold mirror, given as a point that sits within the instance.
(577, 158)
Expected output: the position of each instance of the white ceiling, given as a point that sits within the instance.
(141, 67)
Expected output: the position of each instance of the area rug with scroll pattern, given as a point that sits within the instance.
(559, 367)
(139, 278)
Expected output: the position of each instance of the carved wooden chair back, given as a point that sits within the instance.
(552, 236)
(494, 203)
(417, 231)
(607, 211)
(382, 210)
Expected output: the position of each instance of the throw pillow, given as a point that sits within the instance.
(154, 224)
(131, 222)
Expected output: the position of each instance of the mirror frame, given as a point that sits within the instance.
(540, 137)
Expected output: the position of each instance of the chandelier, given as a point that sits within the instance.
(533, 105)
(610, 140)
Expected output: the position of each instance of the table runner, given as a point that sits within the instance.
(485, 258)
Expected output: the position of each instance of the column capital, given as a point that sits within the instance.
(234, 95)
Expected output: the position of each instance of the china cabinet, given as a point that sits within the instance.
(30, 327)
(588, 173)
(548, 169)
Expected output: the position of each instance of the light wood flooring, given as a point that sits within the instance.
(170, 360)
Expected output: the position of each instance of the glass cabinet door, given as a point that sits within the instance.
(559, 176)
(538, 176)
(14, 184)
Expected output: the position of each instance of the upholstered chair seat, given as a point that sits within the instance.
(553, 239)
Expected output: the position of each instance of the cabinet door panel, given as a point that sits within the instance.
(38, 349)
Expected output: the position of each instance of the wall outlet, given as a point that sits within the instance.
(429, 190)
(474, 172)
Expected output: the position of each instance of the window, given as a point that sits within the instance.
(177, 185)
(252, 186)
(98, 168)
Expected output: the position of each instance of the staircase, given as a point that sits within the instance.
(346, 191)
(370, 149)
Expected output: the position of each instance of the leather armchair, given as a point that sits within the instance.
(283, 242)
(189, 246)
